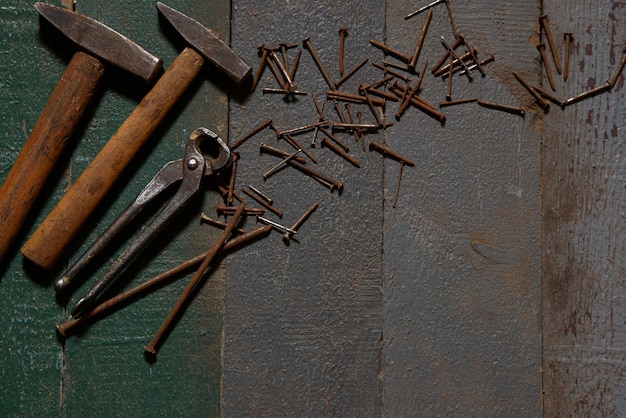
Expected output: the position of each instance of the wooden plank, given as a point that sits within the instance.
(461, 249)
(583, 219)
(303, 322)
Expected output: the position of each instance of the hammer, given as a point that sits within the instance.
(51, 238)
(63, 111)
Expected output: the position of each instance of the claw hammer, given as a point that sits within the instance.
(63, 111)
(54, 234)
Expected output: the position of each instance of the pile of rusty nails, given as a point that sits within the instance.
(401, 82)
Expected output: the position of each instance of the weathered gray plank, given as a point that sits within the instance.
(584, 221)
(462, 249)
(303, 322)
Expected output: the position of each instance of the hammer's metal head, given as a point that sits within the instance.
(103, 42)
(209, 45)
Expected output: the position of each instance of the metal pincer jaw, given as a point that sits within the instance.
(206, 139)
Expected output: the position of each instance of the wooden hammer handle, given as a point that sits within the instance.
(48, 139)
(51, 238)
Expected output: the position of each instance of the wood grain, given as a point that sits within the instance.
(51, 136)
(56, 232)
(583, 171)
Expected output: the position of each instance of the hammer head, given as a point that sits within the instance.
(103, 42)
(207, 44)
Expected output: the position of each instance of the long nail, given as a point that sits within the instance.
(567, 36)
(420, 40)
(182, 300)
(156, 281)
(390, 153)
(505, 108)
(287, 236)
(390, 51)
(458, 40)
(542, 102)
(338, 150)
(587, 94)
(309, 47)
(331, 183)
(259, 70)
(250, 134)
(395, 198)
(458, 102)
(335, 139)
(546, 65)
(343, 32)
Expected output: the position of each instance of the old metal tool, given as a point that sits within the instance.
(64, 110)
(49, 241)
(189, 171)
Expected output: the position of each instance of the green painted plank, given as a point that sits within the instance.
(102, 371)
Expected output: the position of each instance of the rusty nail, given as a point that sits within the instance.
(343, 32)
(332, 184)
(505, 108)
(231, 184)
(388, 152)
(259, 70)
(340, 151)
(472, 52)
(408, 94)
(452, 24)
(420, 40)
(309, 47)
(261, 194)
(289, 85)
(378, 83)
(542, 102)
(292, 141)
(587, 94)
(567, 36)
(287, 236)
(370, 104)
(457, 102)
(450, 72)
(395, 198)
(182, 300)
(250, 134)
(390, 51)
(546, 65)
(294, 65)
(548, 96)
